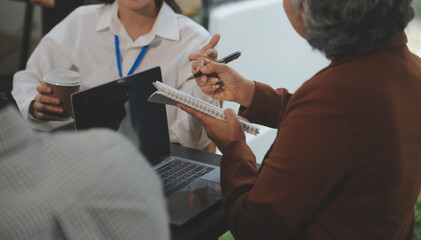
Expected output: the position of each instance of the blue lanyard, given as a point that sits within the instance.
(136, 62)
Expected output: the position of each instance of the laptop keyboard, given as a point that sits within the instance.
(178, 174)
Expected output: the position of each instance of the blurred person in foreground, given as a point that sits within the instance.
(346, 161)
(89, 185)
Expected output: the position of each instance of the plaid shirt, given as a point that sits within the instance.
(89, 185)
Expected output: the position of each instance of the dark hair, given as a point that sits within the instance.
(175, 7)
(348, 27)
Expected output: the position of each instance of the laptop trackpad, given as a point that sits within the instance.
(213, 176)
(191, 200)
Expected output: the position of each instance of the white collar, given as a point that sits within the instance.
(166, 24)
(106, 16)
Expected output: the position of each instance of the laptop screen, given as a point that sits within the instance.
(122, 105)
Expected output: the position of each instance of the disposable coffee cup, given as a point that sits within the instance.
(63, 84)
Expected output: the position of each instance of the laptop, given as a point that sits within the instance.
(191, 187)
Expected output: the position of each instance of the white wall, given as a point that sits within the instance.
(413, 32)
(272, 52)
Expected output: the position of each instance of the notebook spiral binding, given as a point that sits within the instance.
(201, 105)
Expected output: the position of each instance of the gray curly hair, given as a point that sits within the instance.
(341, 28)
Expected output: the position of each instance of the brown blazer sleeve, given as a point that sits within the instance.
(267, 105)
(301, 170)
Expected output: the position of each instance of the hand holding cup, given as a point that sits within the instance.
(53, 99)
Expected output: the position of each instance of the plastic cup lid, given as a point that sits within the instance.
(63, 78)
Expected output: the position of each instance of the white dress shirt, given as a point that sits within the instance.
(88, 185)
(84, 42)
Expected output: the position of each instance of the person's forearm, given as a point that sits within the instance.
(246, 92)
(267, 105)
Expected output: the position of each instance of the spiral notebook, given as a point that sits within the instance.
(169, 95)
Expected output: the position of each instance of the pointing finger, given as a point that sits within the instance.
(211, 44)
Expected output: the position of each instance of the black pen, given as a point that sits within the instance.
(224, 60)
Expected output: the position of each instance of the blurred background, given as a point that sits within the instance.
(271, 50)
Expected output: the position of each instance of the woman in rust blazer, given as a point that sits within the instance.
(346, 162)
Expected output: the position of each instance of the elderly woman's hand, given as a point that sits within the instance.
(219, 81)
(223, 83)
(222, 133)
